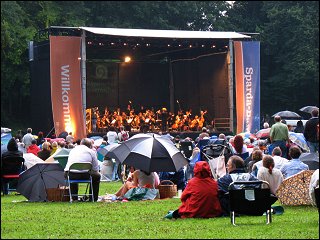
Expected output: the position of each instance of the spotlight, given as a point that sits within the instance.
(127, 59)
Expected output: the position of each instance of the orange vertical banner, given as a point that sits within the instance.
(66, 93)
(239, 85)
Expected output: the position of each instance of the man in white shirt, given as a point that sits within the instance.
(84, 153)
(278, 160)
(27, 138)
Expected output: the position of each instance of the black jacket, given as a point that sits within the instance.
(310, 130)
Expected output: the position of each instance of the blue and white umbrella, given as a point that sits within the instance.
(298, 139)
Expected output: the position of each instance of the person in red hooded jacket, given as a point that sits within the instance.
(200, 197)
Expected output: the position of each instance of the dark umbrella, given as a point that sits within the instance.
(34, 181)
(311, 159)
(149, 152)
(308, 109)
(287, 114)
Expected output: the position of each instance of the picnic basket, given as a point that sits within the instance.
(59, 194)
(167, 190)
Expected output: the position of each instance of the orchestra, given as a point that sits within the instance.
(146, 120)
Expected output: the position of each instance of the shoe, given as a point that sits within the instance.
(277, 210)
(169, 215)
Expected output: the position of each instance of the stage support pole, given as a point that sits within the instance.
(231, 88)
(171, 86)
(83, 75)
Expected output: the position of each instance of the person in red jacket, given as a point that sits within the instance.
(33, 148)
(200, 197)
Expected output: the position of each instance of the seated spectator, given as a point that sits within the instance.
(314, 183)
(140, 178)
(278, 160)
(45, 151)
(178, 178)
(200, 197)
(235, 172)
(54, 147)
(255, 163)
(270, 174)
(33, 148)
(249, 158)
(295, 165)
(240, 148)
(204, 134)
(84, 153)
(192, 161)
(12, 151)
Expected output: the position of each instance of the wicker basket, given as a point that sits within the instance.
(59, 194)
(166, 190)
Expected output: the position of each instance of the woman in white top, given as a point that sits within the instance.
(139, 179)
(270, 174)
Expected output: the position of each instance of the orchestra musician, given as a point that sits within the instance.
(147, 120)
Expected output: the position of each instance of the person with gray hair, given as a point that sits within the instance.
(84, 153)
(265, 125)
(27, 138)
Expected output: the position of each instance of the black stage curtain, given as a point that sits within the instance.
(200, 84)
(41, 109)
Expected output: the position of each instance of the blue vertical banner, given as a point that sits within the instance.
(247, 73)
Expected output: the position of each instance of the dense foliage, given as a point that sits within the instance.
(288, 31)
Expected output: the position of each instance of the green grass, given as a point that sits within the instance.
(142, 219)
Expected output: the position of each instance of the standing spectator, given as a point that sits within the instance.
(45, 151)
(279, 136)
(27, 138)
(33, 148)
(70, 138)
(265, 125)
(311, 133)
(299, 128)
(112, 135)
(295, 165)
(40, 139)
(270, 174)
(84, 153)
(19, 135)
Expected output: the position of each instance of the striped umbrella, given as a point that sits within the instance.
(149, 152)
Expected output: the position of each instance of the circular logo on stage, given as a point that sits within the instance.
(101, 71)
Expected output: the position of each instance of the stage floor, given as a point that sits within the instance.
(191, 134)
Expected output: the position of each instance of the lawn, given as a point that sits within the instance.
(142, 219)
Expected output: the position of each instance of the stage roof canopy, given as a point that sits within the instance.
(128, 32)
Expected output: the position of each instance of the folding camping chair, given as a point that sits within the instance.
(11, 167)
(186, 148)
(80, 173)
(250, 198)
